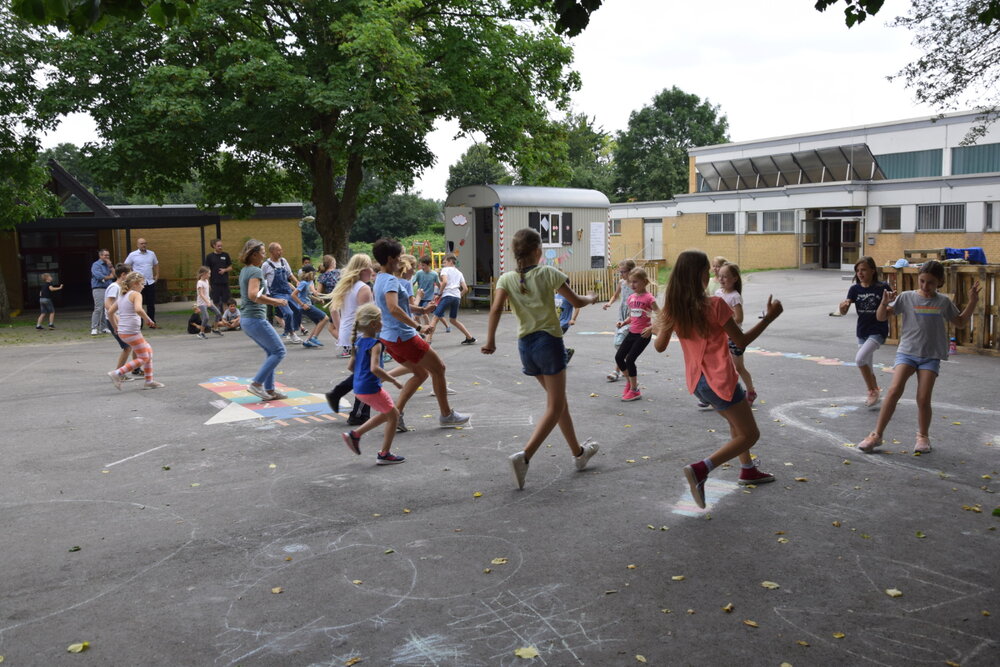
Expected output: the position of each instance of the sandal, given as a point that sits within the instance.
(614, 377)
(869, 444)
(922, 445)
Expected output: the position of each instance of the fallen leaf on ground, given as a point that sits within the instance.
(956, 423)
(679, 577)
(802, 643)
(728, 608)
(277, 589)
(631, 567)
(477, 494)
(499, 561)
(526, 652)
(272, 466)
(782, 540)
(72, 549)
(406, 511)
(640, 658)
(357, 582)
(839, 635)
(353, 661)
(593, 395)
(629, 460)
(650, 526)
(752, 624)
(893, 592)
(389, 551)
(770, 585)
(920, 534)
(836, 524)
(78, 648)
(801, 479)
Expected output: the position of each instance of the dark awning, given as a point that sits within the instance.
(853, 162)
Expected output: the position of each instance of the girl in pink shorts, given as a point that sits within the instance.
(366, 364)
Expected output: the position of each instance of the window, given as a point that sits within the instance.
(556, 229)
(721, 223)
(936, 217)
(990, 222)
(616, 227)
(914, 164)
(751, 222)
(889, 218)
(975, 159)
(777, 222)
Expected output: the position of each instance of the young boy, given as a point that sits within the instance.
(302, 296)
(427, 281)
(45, 301)
(194, 322)
(399, 336)
(231, 317)
(452, 288)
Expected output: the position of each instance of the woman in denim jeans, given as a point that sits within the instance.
(253, 320)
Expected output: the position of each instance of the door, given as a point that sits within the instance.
(850, 244)
(652, 240)
(810, 243)
(830, 244)
(484, 246)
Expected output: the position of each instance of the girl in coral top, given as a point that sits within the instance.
(705, 326)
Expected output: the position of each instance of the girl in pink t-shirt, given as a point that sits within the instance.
(705, 326)
(641, 306)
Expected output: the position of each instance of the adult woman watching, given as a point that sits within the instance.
(253, 320)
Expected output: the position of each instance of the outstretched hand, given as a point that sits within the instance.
(976, 289)
(774, 308)
(888, 295)
(488, 348)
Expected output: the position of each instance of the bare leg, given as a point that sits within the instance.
(743, 434)
(741, 368)
(419, 375)
(869, 376)
(556, 412)
(461, 327)
(925, 386)
(900, 374)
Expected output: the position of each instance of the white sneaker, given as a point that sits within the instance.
(93, 332)
(259, 392)
(294, 338)
(519, 466)
(153, 384)
(614, 376)
(589, 449)
(117, 379)
(454, 419)
(449, 392)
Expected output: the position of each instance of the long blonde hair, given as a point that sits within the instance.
(363, 319)
(348, 277)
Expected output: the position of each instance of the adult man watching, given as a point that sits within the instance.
(280, 279)
(102, 274)
(218, 281)
(144, 261)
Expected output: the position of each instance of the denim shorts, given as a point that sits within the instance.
(706, 395)
(920, 363)
(878, 338)
(542, 354)
(449, 303)
(45, 305)
(314, 314)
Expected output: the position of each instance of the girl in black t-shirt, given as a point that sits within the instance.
(866, 294)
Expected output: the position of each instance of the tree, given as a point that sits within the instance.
(591, 151)
(961, 61)
(477, 166)
(651, 159)
(395, 216)
(23, 196)
(266, 99)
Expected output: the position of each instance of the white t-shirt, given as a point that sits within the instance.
(454, 278)
(143, 262)
(112, 292)
(203, 300)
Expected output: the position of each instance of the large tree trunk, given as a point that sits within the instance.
(4, 300)
(335, 215)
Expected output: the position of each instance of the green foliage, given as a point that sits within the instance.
(855, 11)
(81, 16)
(477, 166)
(396, 216)
(651, 158)
(961, 57)
(265, 100)
(590, 153)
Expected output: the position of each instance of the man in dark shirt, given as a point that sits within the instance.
(220, 264)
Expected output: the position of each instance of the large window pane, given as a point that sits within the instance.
(975, 159)
(954, 216)
(890, 218)
(928, 218)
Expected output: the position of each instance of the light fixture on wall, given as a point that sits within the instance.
(579, 235)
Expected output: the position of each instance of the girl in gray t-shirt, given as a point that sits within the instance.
(923, 343)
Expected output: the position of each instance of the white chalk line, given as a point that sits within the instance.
(135, 456)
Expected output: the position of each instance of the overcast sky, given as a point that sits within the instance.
(775, 67)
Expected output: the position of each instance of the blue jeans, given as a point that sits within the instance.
(289, 313)
(262, 333)
(542, 354)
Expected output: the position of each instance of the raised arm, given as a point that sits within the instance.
(884, 310)
(970, 307)
(743, 339)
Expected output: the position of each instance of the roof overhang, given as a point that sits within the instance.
(851, 162)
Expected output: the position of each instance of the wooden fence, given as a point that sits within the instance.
(601, 282)
(982, 334)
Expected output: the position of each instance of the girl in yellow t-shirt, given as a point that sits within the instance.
(543, 355)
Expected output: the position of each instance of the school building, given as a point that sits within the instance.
(824, 199)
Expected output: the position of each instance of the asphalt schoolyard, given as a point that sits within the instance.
(183, 526)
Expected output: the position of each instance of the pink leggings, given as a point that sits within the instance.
(143, 355)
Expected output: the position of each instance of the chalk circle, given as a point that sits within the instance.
(103, 530)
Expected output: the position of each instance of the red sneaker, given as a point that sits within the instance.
(696, 474)
(754, 476)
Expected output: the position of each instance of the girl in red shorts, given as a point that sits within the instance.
(366, 364)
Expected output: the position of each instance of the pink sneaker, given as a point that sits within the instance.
(754, 476)
(631, 395)
(869, 444)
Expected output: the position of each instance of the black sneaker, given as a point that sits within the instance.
(388, 459)
(333, 399)
(469, 341)
(356, 421)
(401, 426)
(138, 372)
(52, 326)
(39, 327)
(569, 355)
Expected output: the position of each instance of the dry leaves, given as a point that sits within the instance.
(353, 661)
(752, 624)
(277, 590)
(679, 577)
(839, 635)
(640, 658)
(526, 652)
(499, 561)
(477, 494)
(893, 592)
(728, 608)
(770, 585)
(78, 648)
